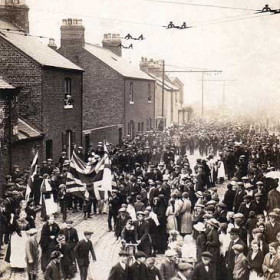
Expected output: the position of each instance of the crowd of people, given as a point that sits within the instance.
(171, 217)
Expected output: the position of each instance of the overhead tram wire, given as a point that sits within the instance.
(200, 5)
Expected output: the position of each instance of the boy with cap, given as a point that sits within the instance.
(53, 270)
(230, 256)
(32, 254)
(241, 270)
(152, 271)
(167, 267)
(138, 270)
(120, 271)
(82, 250)
(203, 270)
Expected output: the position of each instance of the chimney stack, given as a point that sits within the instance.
(15, 12)
(112, 42)
(52, 44)
(72, 33)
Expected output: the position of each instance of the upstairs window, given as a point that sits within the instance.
(149, 93)
(131, 93)
(68, 100)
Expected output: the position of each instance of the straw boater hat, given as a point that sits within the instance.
(199, 227)
(213, 222)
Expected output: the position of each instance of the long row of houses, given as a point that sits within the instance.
(79, 94)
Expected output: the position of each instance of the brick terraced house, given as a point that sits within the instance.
(49, 104)
(118, 97)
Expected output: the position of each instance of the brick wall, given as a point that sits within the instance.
(57, 119)
(142, 110)
(41, 99)
(19, 71)
(103, 102)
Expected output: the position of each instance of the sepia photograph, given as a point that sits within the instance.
(139, 140)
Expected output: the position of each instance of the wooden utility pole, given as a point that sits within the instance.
(163, 81)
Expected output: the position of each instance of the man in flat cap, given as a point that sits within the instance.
(185, 271)
(238, 196)
(230, 255)
(142, 229)
(204, 270)
(272, 227)
(246, 206)
(53, 270)
(167, 267)
(120, 271)
(138, 270)
(71, 235)
(153, 272)
(82, 250)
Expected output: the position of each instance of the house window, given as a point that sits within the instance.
(142, 126)
(68, 100)
(139, 126)
(131, 93)
(149, 93)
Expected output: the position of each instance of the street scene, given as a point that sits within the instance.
(139, 140)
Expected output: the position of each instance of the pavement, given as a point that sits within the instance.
(105, 245)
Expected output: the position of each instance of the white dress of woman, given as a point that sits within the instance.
(18, 240)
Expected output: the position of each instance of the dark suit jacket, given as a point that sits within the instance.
(118, 273)
(82, 250)
(230, 255)
(200, 273)
(53, 271)
(45, 241)
(71, 237)
(138, 271)
(238, 199)
(271, 231)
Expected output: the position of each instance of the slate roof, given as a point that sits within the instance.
(26, 131)
(119, 64)
(34, 48)
(5, 85)
(167, 85)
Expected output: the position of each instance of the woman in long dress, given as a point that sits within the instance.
(171, 214)
(18, 240)
(186, 216)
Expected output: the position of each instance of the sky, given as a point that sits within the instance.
(244, 45)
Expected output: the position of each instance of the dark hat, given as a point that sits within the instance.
(123, 253)
(69, 222)
(56, 255)
(88, 232)
(207, 255)
(140, 254)
(234, 231)
(247, 196)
